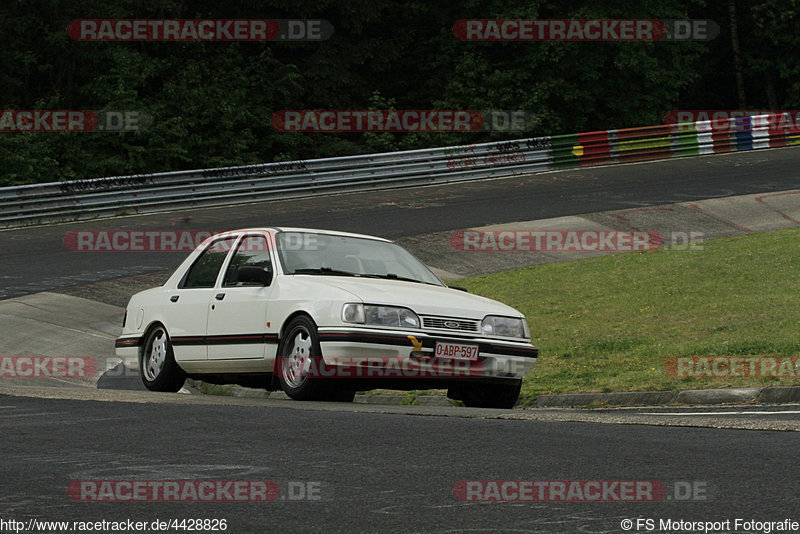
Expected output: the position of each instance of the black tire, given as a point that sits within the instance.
(487, 395)
(341, 395)
(299, 359)
(157, 365)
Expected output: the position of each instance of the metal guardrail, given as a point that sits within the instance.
(148, 193)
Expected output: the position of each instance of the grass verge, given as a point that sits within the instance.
(611, 323)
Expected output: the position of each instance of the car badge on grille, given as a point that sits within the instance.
(451, 324)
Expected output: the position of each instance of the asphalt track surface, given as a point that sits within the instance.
(35, 259)
(377, 472)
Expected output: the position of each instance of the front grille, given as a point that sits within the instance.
(447, 323)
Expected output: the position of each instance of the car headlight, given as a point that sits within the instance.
(497, 325)
(374, 315)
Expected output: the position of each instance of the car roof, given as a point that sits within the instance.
(276, 229)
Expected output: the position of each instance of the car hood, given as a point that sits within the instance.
(424, 299)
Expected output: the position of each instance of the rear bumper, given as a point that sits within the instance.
(127, 347)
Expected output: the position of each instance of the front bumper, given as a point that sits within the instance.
(374, 353)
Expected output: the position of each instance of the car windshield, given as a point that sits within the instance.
(326, 254)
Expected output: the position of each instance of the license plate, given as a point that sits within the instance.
(456, 351)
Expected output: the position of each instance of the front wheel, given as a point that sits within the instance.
(157, 365)
(299, 361)
(487, 395)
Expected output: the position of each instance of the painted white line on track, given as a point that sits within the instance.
(722, 413)
(26, 415)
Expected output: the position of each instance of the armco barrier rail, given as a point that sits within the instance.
(147, 193)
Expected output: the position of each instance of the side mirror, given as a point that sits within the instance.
(459, 288)
(249, 274)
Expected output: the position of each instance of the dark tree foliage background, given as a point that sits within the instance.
(211, 102)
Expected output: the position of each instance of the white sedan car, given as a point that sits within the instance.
(320, 315)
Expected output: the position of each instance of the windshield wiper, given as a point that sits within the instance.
(392, 276)
(323, 270)
(336, 272)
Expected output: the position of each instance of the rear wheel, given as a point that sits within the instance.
(487, 395)
(157, 365)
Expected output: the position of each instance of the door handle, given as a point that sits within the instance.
(219, 296)
(174, 298)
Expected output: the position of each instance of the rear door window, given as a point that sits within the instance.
(203, 272)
